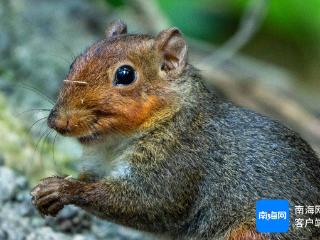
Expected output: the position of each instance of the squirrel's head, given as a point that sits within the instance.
(120, 84)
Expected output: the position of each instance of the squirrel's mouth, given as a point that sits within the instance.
(92, 138)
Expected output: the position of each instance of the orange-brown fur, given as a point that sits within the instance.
(246, 231)
(126, 108)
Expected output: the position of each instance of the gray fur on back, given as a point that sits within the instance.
(245, 157)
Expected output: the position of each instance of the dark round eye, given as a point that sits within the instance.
(124, 75)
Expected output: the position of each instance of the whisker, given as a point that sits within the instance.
(57, 168)
(42, 147)
(44, 133)
(76, 82)
(29, 130)
(91, 129)
(64, 59)
(41, 136)
(50, 100)
(32, 110)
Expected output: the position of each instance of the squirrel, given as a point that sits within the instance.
(185, 163)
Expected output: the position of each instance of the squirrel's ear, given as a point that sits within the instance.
(173, 49)
(116, 28)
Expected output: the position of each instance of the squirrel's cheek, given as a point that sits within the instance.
(138, 114)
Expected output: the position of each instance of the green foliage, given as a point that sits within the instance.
(116, 3)
(214, 20)
(201, 19)
(293, 19)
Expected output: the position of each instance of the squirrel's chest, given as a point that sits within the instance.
(120, 166)
(108, 160)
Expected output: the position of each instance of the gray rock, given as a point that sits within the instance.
(3, 234)
(8, 184)
(46, 233)
(12, 224)
(84, 237)
(19, 220)
(70, 220)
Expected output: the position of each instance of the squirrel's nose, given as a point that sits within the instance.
(58, 123)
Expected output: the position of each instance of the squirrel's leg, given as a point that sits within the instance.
(145, 204)
(245, 231)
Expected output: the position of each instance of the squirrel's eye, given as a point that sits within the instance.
(124, 75)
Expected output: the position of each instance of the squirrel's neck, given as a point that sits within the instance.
(194, 107)
(194, 99)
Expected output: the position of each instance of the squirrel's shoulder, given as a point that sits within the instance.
(235, 118)
(255, 132)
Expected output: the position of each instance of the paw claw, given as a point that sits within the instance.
(47, 196)
(47, 199)
(54, 209)
(34, 191)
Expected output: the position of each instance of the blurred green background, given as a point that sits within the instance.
(37, 45)
(289, 36)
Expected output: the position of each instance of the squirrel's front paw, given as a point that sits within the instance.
(52, 193)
